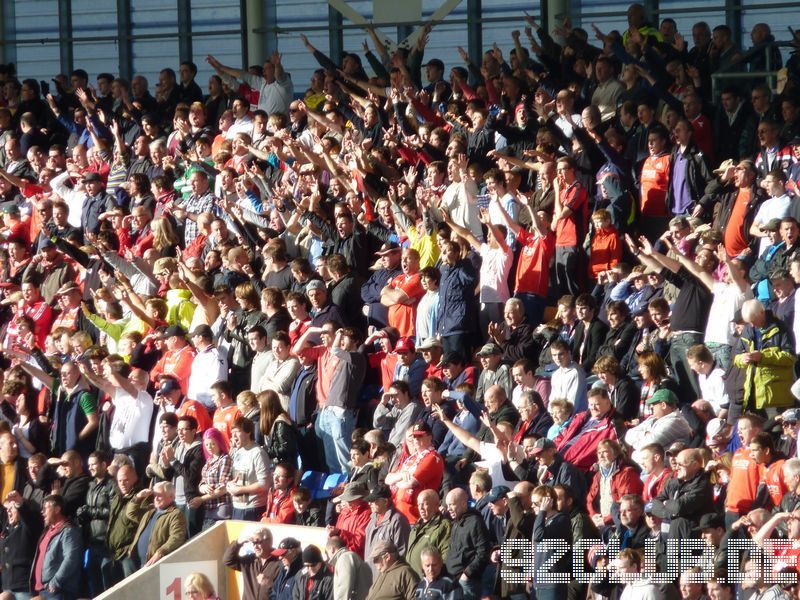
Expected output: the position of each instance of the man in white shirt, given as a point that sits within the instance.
(208, 367)
(711, 378)
(276, 88)
(568, 380)
(129, 432)
(665, 426)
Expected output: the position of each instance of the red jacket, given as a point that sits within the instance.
(352, 526)
(625, 480)
(583, 452)
(279, 508)
(654, 485)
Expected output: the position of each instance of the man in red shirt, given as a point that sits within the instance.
(532, 279)
(177, 360)
(737, 236)
(280, 508)
(403, 293)
(227, 412)
(354, 516)
(745, 472)
(569, 223)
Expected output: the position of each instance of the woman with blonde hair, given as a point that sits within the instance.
(165, 240)
(280, 437)
(198, 586)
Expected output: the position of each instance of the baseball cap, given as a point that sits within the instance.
(379, 492)
(498, 492)
(543, 444)
(173, 331)
(67, 288)
(663, 395)
(312, 555)
(92, 176)
(452, 357)
(421, 428)
(382, 548)
(203, 331)
(388, 248)
(352, 491)
(713, 428)
(404, 344)
(315, 284)
(429, 343)
(11, 208)
(676, 447)
(168, 385)
(286, 545)
(791, 416)
(773, 225)
(489, 349)
(711, 521)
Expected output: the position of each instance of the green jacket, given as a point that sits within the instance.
(768, 382)
(169, 531)
(435, 532)
(120, 528)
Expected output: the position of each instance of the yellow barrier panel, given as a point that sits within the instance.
(165, 579)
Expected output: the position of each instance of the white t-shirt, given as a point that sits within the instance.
(712, 388)
(773, 208)
(493, 461)
(131, 422)
(250, 466)
(727, 300)
(495, 267)
(208, 367)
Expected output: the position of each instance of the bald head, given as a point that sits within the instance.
(428, 504)
(456, 502)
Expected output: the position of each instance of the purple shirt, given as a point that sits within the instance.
(681, 200)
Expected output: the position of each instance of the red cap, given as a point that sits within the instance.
(404, 344)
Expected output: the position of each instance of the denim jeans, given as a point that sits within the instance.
(115, 571)
(534, 307)
(721, 353)
(247, 514)
(689, 389)
(471, 589)
(335, 426)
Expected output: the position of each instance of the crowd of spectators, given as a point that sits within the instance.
(547, 294)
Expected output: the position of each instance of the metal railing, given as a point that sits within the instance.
(769, 74)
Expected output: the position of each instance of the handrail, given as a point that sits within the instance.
(769, 73)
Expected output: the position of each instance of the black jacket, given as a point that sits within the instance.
(346, 294)
(560, 472)
(595, 336)
(519, 526)
(18, 548)
(687, 499)
(469, 546)
(281, 443)
(94, 514)
(321, 587)
(190, 468)
(73, 491)
(557, 527)
(625, 398)
(618, 340)
(725, 196)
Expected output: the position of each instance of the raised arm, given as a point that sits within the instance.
(222, 69)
